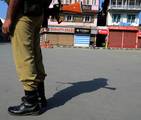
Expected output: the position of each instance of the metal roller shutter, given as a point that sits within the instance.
(129, 40)
(115, 39)
(139, 42)
(81, 40)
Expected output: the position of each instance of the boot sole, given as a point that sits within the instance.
(37, 113)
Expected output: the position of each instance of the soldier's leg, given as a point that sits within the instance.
(39, 64)
(38, 56)
(24, 56)
(23, 52)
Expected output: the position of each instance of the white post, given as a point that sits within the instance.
(116, 3)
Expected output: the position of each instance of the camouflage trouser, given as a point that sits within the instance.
(27, 53)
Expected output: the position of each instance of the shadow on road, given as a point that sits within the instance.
(76, 88)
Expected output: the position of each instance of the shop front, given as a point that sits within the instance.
(58, 35)
(123, 37)
(93, 37)
(69, 36)
(139, 39)
(82, 37)
(102, 36)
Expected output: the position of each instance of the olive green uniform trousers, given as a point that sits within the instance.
(27, 54)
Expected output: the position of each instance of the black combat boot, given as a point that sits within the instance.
(41, 95)
(29, 106)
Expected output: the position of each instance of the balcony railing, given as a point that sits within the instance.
(125, 7)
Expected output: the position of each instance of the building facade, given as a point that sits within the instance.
(76, 29)
(88, 17)
(124, 12)
(123, 23)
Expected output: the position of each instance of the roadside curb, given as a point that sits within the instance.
(96, 48)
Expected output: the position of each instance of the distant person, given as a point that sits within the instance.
(0, 23)
(0, 26)
(0, 30)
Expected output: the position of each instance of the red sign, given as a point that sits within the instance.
(103, 31)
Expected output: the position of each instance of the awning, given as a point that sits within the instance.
(128, 28)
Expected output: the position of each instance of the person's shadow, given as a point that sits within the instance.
(76, 88)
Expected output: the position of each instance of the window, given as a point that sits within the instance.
(88, 2)
(116, 18)
(131, 2)
(119, 3)
(69, 18)
(138, 3)
(131, 18)
(124, 2)
(52, 19)
(68, 1)
(113, 2)
(87, 19)
(62, 1)
(84, 2)
(77, 0)
(94, 2)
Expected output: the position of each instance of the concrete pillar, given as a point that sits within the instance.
(116, 3)
(135, 3)
(122, 3)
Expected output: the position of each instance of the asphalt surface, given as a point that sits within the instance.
(82, 84)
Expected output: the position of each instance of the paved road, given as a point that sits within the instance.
(82, 84)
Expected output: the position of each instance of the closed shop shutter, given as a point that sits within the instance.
(81, 40)
(52, 38)
(65, 39)
(115, 39)
(129, 39)
(139, 42)
(60, 39)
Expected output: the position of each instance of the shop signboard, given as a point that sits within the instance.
(82, 31)
(61, 29)
(103, 32)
